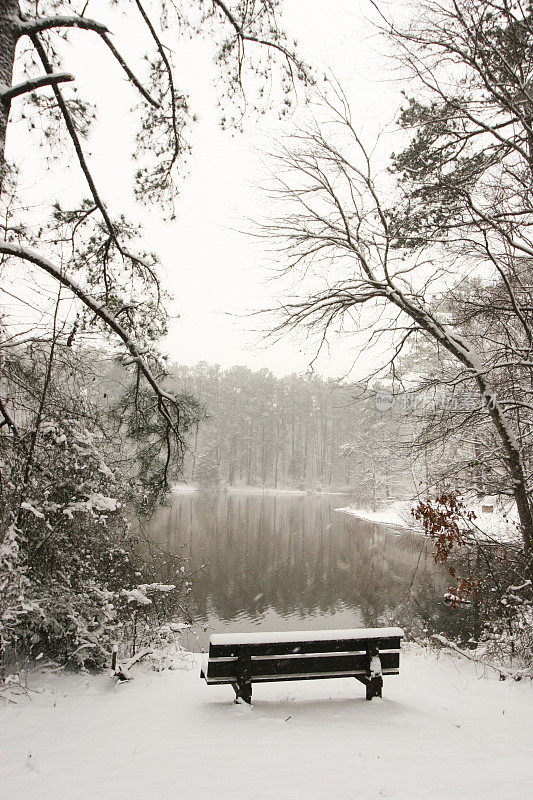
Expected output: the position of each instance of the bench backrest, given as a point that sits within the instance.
(306, 654)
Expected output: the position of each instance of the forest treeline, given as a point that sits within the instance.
(297, 431)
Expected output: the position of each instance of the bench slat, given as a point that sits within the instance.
(327, 664)
(304, 677)
(353, 644)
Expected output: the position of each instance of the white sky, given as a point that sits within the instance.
(216, 274)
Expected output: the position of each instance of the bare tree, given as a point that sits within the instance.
(358, 237)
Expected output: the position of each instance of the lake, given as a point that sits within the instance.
(281, 562)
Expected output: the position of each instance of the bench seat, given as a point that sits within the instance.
(241, 659)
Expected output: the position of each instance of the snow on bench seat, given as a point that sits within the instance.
(304, 636)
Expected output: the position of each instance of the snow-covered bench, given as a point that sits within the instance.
(245, 658)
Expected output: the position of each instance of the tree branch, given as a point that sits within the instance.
(8, 93)
(27, 254)
(168, 68)
(132, 77)
(8, 419)
(29, 26)
(83, 162)
(248, 37)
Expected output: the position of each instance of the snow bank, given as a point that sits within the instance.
(500, 524)
(442, 731)
(184, 488)
(397, 515)
(189, 488)
(270, 491)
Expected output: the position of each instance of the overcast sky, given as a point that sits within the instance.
(217, 274)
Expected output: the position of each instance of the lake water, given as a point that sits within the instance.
(282, 562)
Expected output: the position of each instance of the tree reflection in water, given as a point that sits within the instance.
(281, 562)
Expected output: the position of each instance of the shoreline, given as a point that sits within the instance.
(191, 488)
(389, 517)
(497, 525)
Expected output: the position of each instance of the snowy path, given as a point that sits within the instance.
(440, 732)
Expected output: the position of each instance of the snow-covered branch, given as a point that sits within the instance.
(8, 93)
(29, 26)
(109, 319)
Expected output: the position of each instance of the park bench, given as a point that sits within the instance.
(241, 659)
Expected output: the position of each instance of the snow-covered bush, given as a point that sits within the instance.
(69, 562)
(63, 561)
(490, 578)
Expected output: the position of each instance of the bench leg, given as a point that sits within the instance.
(243, 691)
(374, 687)
(243, 684)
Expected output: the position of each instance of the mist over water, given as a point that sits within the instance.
(282, 562)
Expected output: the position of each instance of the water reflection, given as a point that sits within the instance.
(281, 562)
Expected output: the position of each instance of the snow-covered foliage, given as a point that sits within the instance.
(71, 580)
(140, 593)
(490, 576)
(59, 541)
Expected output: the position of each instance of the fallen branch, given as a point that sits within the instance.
(122, 671)
(138, 656)
(503, 672)
(117, 671)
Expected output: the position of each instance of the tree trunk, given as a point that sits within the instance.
(510, 445)
(9, 35)
(460, 349)
(250, 444)
(514, 459)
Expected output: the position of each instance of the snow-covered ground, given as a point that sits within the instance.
(441, 731)
(499, 524)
